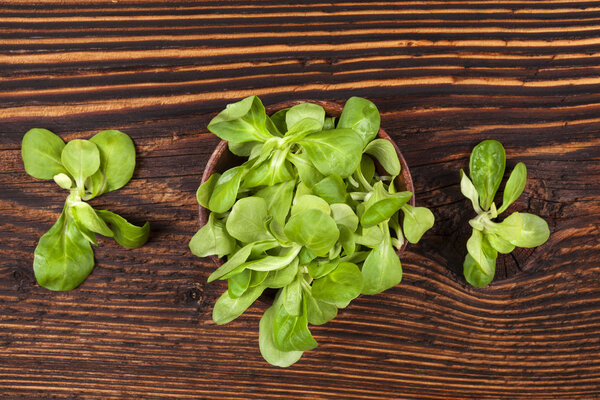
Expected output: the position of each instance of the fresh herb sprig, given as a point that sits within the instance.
(486, 167)
(306, 214)
(63, 257)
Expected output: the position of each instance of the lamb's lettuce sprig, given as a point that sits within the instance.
(486, 167)
(307, 214)
(63, 257)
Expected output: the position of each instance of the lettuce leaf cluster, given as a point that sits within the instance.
(306, 214)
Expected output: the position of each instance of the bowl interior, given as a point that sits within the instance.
(222, 159)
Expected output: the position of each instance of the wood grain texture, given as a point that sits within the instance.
(445, 75)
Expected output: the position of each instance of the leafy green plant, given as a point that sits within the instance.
(307, 214)
(486, 167)
(63, 257)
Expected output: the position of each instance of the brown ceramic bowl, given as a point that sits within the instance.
(222, 159)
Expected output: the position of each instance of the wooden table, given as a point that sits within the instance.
(445, 75)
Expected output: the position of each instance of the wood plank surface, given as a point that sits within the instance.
(444, 74)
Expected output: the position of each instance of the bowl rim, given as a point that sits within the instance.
(332, 109)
